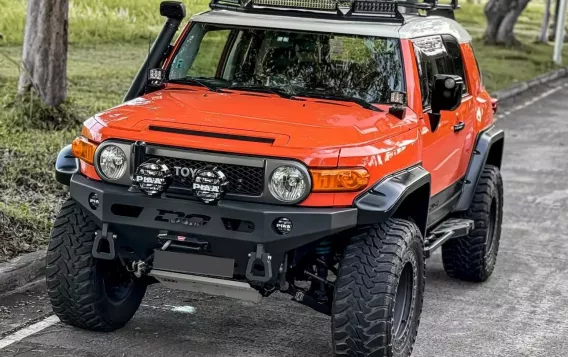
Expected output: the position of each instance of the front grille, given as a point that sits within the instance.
(243, 180)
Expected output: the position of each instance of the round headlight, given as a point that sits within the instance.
(288, 184)
(112, 162)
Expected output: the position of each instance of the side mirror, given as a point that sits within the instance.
(172, 10)
(446, 95)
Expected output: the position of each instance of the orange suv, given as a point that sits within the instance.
(321, 149)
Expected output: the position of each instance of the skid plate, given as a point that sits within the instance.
(207, 285)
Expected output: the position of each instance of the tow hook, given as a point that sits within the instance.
(103, 246)
(259, 262)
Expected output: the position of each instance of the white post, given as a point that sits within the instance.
(559, 40)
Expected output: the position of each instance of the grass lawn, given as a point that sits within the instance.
(109, 40)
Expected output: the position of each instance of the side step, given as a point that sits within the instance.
(202, 284)
(451, 228)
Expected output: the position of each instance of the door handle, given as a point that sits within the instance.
(459, 126)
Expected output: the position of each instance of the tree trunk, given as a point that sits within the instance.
(545, 22)
(505, 34)
(44, 54)
(502, 15)
(495, 11)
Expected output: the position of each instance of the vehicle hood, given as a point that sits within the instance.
(235, 115)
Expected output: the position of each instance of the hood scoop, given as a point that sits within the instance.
(207, 134)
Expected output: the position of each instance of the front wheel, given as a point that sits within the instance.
(379, 292)
(85, 292)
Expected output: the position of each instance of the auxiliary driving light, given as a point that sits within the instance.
(152, 177)
(283, 225)
(209, 184)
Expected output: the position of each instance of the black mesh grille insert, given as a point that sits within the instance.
(243, 180)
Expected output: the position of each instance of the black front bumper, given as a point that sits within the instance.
(231, 229)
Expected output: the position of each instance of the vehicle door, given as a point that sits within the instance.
(444, 143)
(466, 114)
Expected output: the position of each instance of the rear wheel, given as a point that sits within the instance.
(473, 257)
(379, 292)
(89, 293)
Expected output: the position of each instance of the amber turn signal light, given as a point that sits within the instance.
(339, 180)
(84, 150)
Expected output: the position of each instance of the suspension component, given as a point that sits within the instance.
(319, 279)
(139, 268)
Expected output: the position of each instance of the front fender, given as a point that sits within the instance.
(405, 193)
(66, 165)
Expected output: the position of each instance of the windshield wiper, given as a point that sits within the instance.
(190, 80)
(263, 89)
(363, 103)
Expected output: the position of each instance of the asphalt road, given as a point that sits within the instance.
(521, 311)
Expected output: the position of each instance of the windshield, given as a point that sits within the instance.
(289, 63)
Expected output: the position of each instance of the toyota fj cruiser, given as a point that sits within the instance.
(320, 148)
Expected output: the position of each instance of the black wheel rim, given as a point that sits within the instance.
(403, 302)
(491, 226)
(118, 283)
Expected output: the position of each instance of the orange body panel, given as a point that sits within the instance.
(311, 131)
(445, 153)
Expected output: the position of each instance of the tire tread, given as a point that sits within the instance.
(365, 289)
(464, 257)
(70, 272)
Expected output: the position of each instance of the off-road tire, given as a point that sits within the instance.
(363, 311)
(473, 257)
(75, 280)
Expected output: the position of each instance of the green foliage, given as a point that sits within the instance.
(19, 231)
(28, 111)
(97, 21)
(30, 195)
(502, 66)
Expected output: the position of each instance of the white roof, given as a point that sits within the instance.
(414, 25)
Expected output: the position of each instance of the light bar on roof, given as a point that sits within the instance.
(343, 7)
(366, 10)
(329, 5)
(378, 7)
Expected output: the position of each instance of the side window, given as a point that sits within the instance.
(456, 59)
(477, 65)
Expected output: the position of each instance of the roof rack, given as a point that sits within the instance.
(362, 10)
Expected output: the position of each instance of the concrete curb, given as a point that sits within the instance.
(21, 271)
(522, 87)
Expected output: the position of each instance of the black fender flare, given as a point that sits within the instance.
(488, 150)
(66, 165)
(405, 193)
